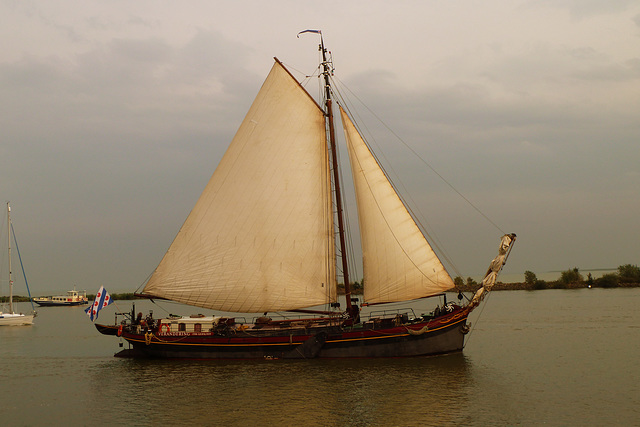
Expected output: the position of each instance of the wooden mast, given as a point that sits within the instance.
(336, 180)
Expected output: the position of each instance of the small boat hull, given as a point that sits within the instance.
(15, 319)
(444, 335)
(59, 304)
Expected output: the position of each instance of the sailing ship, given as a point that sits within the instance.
(12, 318)
(72, 298)
(268, 235)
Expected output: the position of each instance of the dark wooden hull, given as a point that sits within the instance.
(437, 336)
(107, 329)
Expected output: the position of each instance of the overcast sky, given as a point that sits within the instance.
(114, 115)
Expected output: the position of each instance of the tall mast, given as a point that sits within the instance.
(9, 256)
(334, 159)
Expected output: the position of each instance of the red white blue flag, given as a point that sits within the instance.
(102, 300)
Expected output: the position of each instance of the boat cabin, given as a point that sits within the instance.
(194, 324)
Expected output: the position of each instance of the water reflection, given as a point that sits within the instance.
(316, 392)
(534, 358)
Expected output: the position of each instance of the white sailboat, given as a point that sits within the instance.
(11, 318)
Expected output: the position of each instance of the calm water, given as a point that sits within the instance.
(555, 357)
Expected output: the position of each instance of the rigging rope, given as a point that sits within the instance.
(424, 161)
(15, 239)
(466, 341)
(433, 238)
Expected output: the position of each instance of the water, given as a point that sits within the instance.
(554, 357)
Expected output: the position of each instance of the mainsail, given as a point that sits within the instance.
(260, 237)
(398, 262)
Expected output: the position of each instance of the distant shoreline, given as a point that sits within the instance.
(549, 285)
(465, 288)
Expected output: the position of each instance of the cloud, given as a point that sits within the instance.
(580, 9)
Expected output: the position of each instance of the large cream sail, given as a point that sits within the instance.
(260, 238)
(398, 262)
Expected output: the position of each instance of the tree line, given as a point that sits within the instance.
(627, 275)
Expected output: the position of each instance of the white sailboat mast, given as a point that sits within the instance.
(9, 256)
